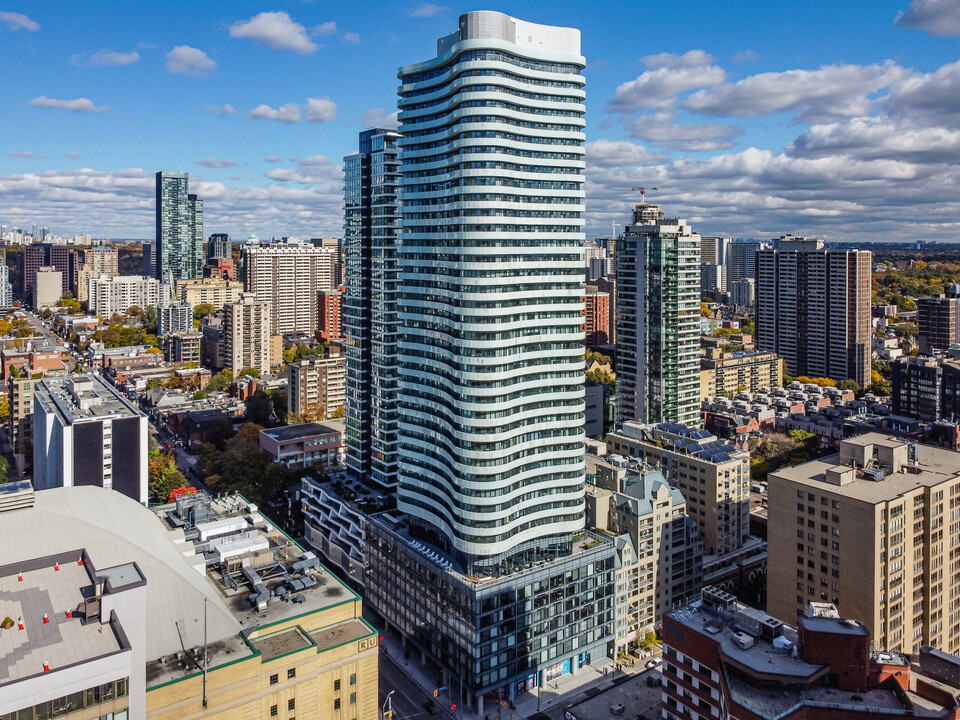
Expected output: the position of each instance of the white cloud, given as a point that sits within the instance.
(351, 37)
(216, 163)
(186, 60)
(273, 159)
(17, 21)
(935, 94)
(225, 109)
(426, 10)
(80, 105)
(114, 59)
(22, 154)
(380, 118)
(610, 153)
(828, 92)
(121, 204)
(275, 30)
(934, 17)
(327, 28)
(72, 154)
(880, 137)
(288, 113)
(691, 58)
(321, 110)
(657, 88)
(662, 129)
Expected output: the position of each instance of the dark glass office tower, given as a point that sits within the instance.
(179, 229)
(371, 223)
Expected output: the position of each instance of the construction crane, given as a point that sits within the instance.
(636, 188)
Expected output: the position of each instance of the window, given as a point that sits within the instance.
(353, 697)
(274, 679)
(336, 684)
(291, 673)
(273, 711)
(291, 704)
(336, 704)
(353, 678)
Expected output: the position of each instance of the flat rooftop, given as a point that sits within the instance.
(294, 432)
(936, 465)
(85, 397)
(180, 569)
(763, 658)
(38, 589)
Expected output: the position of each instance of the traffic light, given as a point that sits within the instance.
(436, 692)
(453, 707)
(381, 638)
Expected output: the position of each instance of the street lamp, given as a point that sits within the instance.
(386, 710)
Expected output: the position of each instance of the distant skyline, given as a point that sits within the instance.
(752, 118)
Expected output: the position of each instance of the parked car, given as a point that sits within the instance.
(654, 663)
(617, 709)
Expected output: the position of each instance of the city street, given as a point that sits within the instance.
(39, 327)
(408, 699)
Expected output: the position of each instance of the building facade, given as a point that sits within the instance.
(926, 388)
(6, 289)
(596, 317)
(660, 547)
(658, 315)
(813, 309)
(96, 262)
(938, 322)
(491, 354)
(742, 292)
(289, 278)
(86, 433)
(149, 614)
(219, 247)
(48, 288)
(209, 291)
(329, 315)
(183, 346)
(246, 332)
(371, 325)
(724, 659)
(177, 317)
(300, 446)
(713, 476)
(179, 243)
(316, 387)
(870, 530)
(731, 372)
(108, 296)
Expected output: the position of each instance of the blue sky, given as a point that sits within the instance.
(753, 118)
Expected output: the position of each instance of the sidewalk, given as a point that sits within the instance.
(565, 690)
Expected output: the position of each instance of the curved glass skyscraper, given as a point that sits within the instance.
(491, 402)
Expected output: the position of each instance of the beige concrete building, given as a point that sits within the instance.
(317, 387)
(246, 330)
(724, 372)
(107, 296)
(96, 262)
(874, 530)
(713, 476)
(660, 548)
(289, 277)
(160, 590)
(48, 288)
(208, 291)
